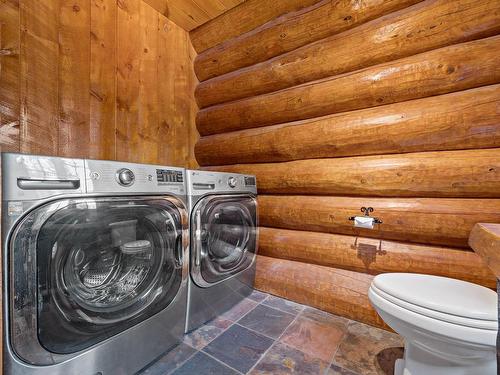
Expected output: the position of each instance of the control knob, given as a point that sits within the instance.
(232, 182)
(125, 177)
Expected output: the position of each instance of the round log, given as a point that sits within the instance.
(464, 120)
(422, 27)
(288, 33)
(461, 174)
(373, 256)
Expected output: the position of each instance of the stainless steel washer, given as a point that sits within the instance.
(95, 264)
(224, 231)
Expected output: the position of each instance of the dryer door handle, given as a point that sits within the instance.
(178, 251)
(47, 184)
(197, 239)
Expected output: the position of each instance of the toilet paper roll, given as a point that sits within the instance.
(363, 222)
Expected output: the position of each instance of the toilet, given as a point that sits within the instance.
(449, 326)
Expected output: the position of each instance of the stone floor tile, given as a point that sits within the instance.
(317, 338)
(239, 310)
(362, 350)
(283, 304)
(239, 347)
(266, 320)
(258, 296)
(202, 364)
(282, 359)
(170, 361)
(323, 316)
(200, 337)
(337, 370)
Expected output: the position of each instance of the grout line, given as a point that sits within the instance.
(233, 322)
(216, 336)
(277, 308)
(187, 359)
(332, 361)
(273, 344)
(218, 360)
(259, 333)
(245, 314)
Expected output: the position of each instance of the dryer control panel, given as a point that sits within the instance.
(203, 182)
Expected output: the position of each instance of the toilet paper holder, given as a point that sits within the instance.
(366, 211)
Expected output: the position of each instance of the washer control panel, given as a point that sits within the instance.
(110, 176)
(166, 176)
(125, 177)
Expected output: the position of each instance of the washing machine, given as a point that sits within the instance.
(95, 264)
(224, 231)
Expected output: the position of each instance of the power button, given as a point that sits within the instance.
(125, 177)
(232, 182)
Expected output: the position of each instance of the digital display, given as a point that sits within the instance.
(250, 181)
(164, 176)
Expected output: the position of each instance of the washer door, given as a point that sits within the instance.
(102, 265)
(225, 237)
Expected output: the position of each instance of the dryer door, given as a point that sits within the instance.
(87, 269)
(224, 230)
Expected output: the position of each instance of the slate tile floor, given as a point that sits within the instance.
(265, 334)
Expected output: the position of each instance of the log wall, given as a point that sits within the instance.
(394, 105)
(98, 79)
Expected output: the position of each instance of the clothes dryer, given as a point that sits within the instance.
(224, 232)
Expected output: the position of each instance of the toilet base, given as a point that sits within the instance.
(421, 362)
(399, 367)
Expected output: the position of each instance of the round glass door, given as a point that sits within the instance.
(103, 265)
(226, 239)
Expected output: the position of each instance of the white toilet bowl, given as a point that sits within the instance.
(449, 326)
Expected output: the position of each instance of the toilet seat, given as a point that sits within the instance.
(449, 300)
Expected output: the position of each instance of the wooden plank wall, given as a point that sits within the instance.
(190, 14)
(96, 78)
(390, 104)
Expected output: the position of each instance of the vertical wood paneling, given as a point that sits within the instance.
(176, 82)
(103, 20)
(74, 72)
(70, 71)
(182, 103)
(128, 80)
(167, 129)
(39, 57)
(9, 75)
(148, 93)
(193, 132)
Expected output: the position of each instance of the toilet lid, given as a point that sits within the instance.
(441, 294)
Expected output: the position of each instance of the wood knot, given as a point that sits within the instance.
(348, 18)
(6, 52)
(76, 8)
(165, 125)
(450, 69)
